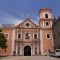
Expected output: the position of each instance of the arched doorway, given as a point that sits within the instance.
(27, 51)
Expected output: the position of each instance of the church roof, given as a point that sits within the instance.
(44, 9)
(25, 20)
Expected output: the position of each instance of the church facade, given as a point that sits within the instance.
(28, 38)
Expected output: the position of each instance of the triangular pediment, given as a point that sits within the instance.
(27, 23)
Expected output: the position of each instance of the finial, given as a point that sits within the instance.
(27, 16)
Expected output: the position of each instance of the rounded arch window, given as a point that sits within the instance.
(48, 36)
(46, 15)
(27, 35)
(47, 24)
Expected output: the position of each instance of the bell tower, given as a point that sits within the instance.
(45, 18)
(46, 36)
(45, 13)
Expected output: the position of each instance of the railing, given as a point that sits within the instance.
(35, 40)
(18, 40)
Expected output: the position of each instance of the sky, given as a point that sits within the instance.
(14, 11)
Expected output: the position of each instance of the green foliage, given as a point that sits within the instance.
(58, 17)
(0, 30)
(3, 41)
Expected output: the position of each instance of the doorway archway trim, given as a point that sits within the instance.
(29, 46)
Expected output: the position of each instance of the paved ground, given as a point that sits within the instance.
(29, 58)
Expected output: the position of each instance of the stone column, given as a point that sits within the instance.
(20, 48)
(13, 39)
(16, 49)
(31, 52)
(33, 49)
(37, 43)
(41, 40)
(37, 49)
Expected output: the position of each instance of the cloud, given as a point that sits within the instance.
(13, 20)
(6, 18)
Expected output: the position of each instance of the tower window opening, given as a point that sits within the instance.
(48, 35)
(47, 24)
(46, 15)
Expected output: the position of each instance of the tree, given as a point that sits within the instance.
(58, 17)
(3, 41)
(55, 18)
